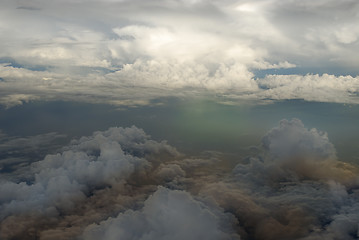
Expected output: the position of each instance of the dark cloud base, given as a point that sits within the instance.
(121, 184)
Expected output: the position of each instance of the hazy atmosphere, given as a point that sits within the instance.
(179, 119)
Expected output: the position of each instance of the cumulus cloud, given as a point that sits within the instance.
(169, 172)
(298, 187)
(167, 215)
(62, 181)
(291, 138)
(324, 88)
(294, 153)
(143, 81)
(120, 183)
(99, 50)
(100, 178)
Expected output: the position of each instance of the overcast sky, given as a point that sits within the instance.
(141, 50)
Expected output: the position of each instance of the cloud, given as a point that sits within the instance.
(120, 183)
(169, 172)
(18, 152)
(292, 139)
(25, 144)
(167, 214)
(324, 88)
(96, 51)
(293, 154)
(296, 187)
(62, 181)
(143, 81)
(17, 99)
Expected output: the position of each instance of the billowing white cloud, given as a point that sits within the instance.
(143, 81)
(62, 181)
(120, 183)
(102, 48)
(292, 139)
(166, 215)
(298, 187)
(294, 153)
(321, 88)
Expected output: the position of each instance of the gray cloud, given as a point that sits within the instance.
(18, 152)
(121, 183)
(298, 186)
(60, 182)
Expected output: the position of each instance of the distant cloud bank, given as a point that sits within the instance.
(100, 50)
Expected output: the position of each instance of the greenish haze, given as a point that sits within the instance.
(193, 126)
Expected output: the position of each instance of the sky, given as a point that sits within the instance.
(179, 119)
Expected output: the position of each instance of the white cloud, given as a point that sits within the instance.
(212, 45)
(17, 99)
(294, 153)
(109, 184)
(291, 138)
(306, 195)
(88, 166)
(324, 88)
(139, 82)
(166, 215)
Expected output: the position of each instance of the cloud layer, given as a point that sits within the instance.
(140, 50)
(167, 214)
(120, 183)
(60, 182)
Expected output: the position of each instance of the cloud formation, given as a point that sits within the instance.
(120, 183)
(167, 214)
(324, 88)
(297, 187)
(292, 139)
(142, 82)
(62, 181)
(106, 49)
(18, 152)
